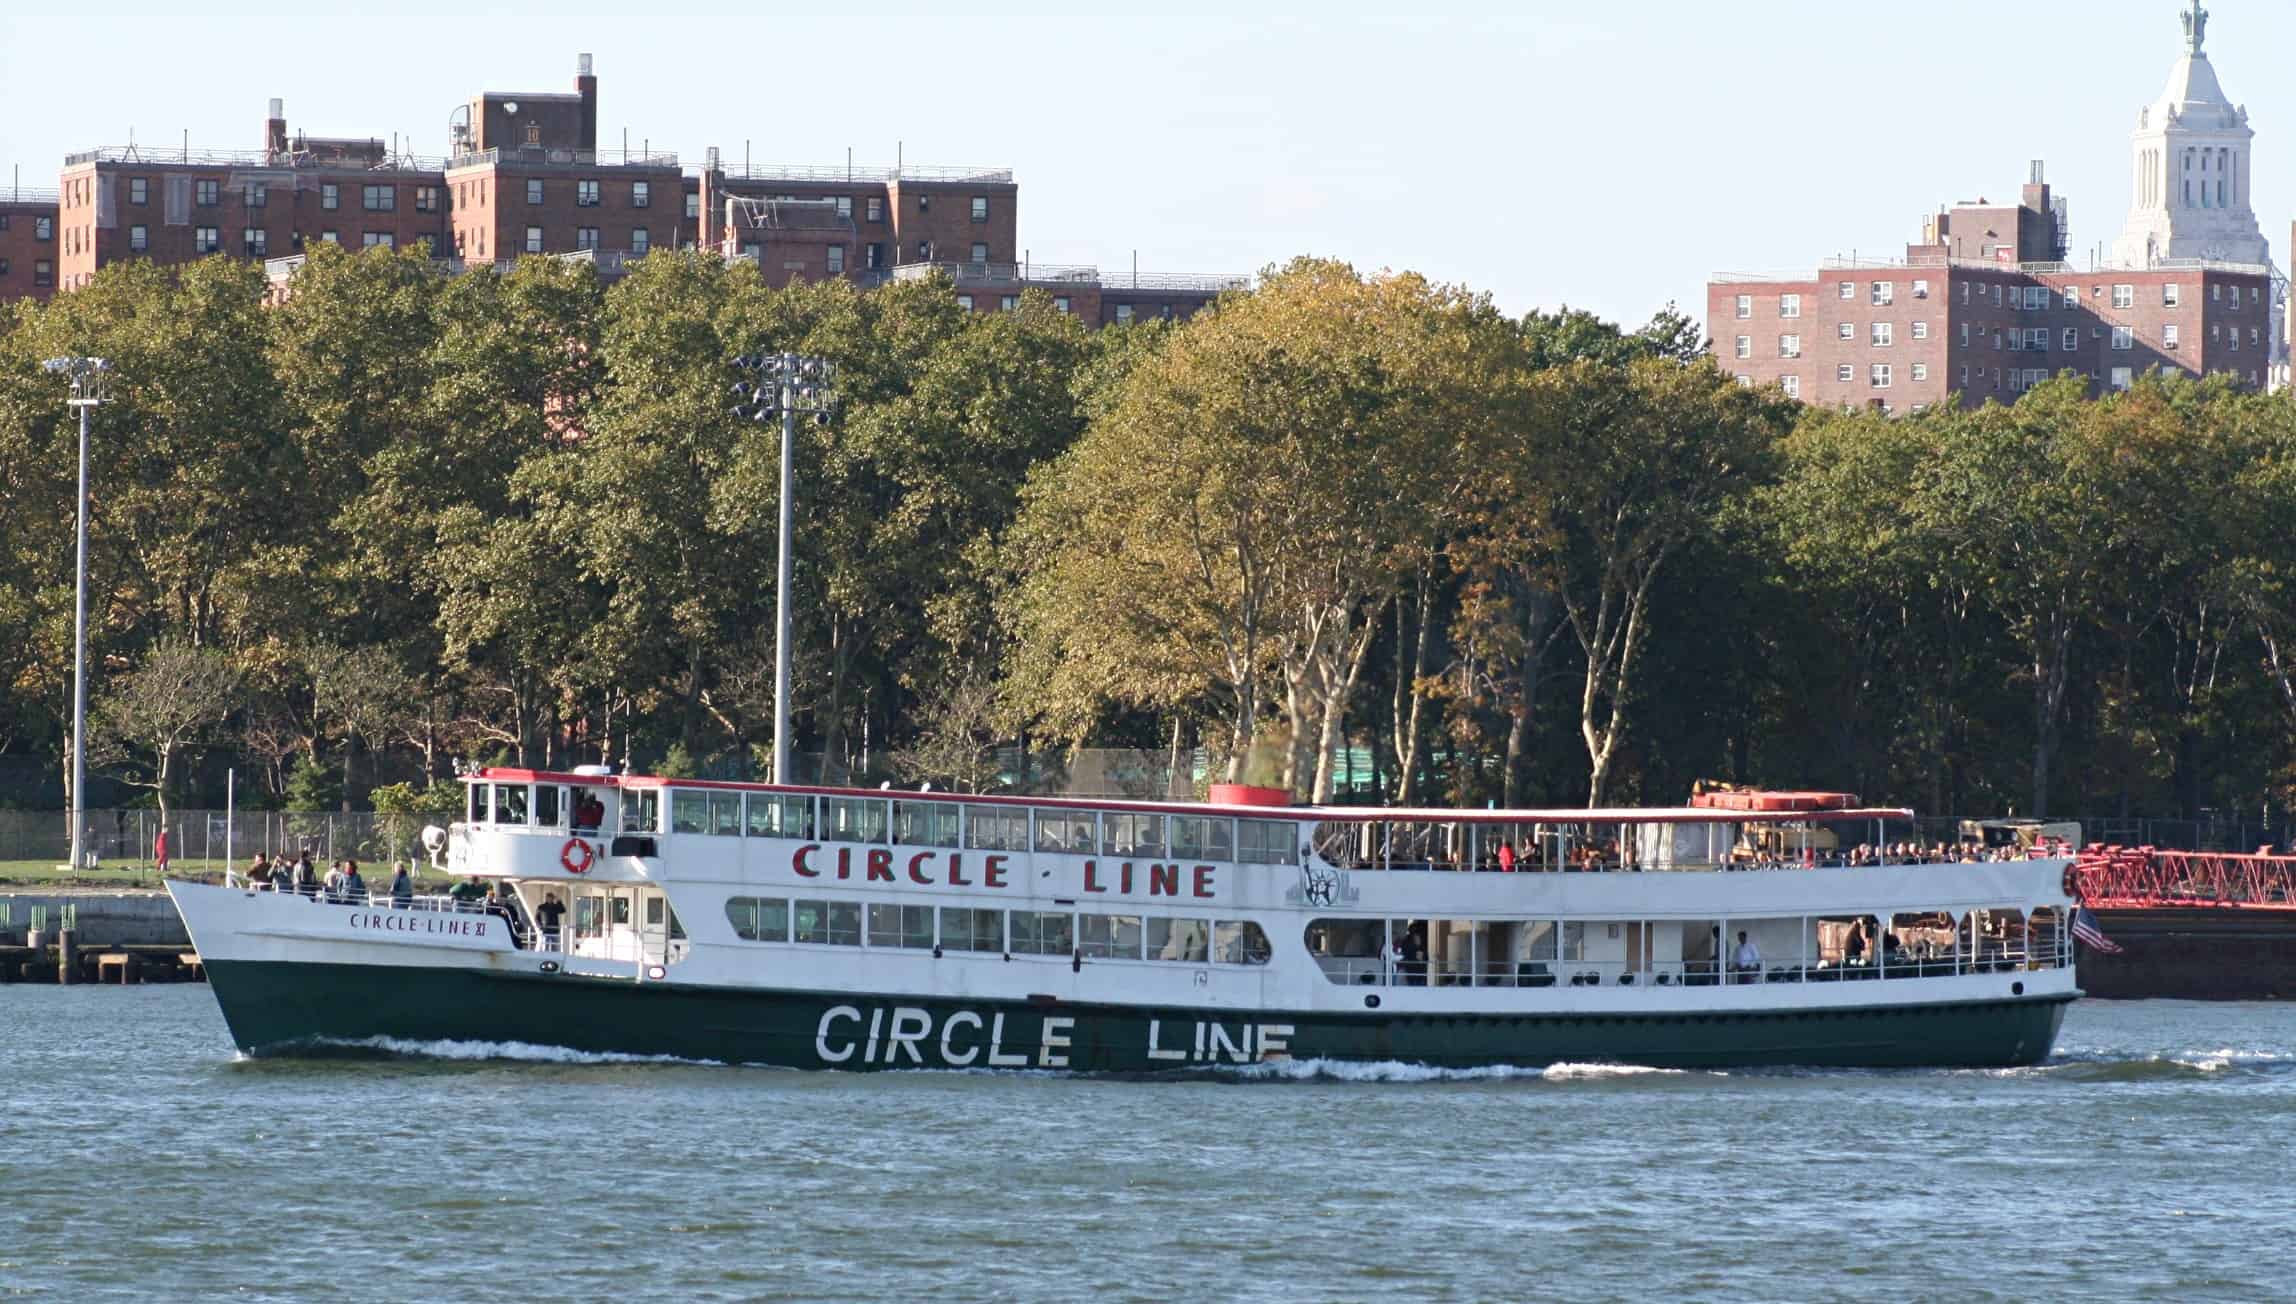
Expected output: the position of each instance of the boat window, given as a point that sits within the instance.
(853, 819)
(725, 814)
(1266, 842)
(510, 803)
(1185, 941)
(689, 811)
(925, 823)
(477, 794)
(548, 806)
(1204, 837)
(1239, 942)
(972, 930)
(996, 828)
(901, 926)
(756, 919)
(589, 917)
(1348, 950)
(1347, 845)
(827, 923)
(1064, 831)
(780, 817)
(641, 811)
(1113, 937)
(1127, 833)
(1042, 933)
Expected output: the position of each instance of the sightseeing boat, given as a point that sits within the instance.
(833, 928)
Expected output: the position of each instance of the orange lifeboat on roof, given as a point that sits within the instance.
(1725, 797)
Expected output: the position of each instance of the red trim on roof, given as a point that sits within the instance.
(1303, 814)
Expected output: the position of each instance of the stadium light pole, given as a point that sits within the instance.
(786, 385)
(89, 377)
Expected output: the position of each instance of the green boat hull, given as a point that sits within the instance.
(289, 1009)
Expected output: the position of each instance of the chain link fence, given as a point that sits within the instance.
(117, 838)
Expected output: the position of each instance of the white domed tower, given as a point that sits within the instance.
(2191, 151)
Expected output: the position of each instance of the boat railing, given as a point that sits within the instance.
(1734, 865)
(1371, 971)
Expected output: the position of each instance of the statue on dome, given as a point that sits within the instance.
(2195, 26)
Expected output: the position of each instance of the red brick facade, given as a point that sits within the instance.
(28, 245)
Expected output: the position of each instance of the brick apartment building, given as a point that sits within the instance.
(1985, 305)
(525, 176)
(27, 244)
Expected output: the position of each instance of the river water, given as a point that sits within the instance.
(140, 1156)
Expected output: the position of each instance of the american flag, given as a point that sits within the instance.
(2085, 928)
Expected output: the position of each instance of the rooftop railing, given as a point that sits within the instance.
(836, 173)
(260, 158)
(28, 195)
(1193, 282)
(585, 158)
(1059, 274)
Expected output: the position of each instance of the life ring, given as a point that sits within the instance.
(576, 856)
(2072, 882)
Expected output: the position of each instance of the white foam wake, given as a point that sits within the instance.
(1329, 1070)
(522, 1051)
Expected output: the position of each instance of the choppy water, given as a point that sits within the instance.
(139, 1156)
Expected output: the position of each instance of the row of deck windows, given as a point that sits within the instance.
(1177, 939)
(906, 822)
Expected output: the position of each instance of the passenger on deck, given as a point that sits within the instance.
(1746, 961)
(546, 917)
(354, 887)
(467, 894)
(259, 872)
(402, 888)
(334, 882)
(589, 812)
(1506, 857)
(306, 876)
(498, 904)
(1854, 950)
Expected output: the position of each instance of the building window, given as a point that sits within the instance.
(1880, 375)
(2252, 338)
(1845, 373)
(586, 194)
(585, 237)
(256, 241)
(924, 203)
(1996, 296)
(1921, 330)
(640, 240)
(2124, 296)
(2124, 338)
(1745, 306)
(1965, 335)
(2170, 295)
(965, 301)
(330, 195)
(2168, 336)
(1846, 330)
(1792, 385)
(924, 251)
(379, 199)
(873, 256)
(2072, 340)
(1744, 381)
(980, 252)
(426, 199)
(139, 190)
(1008, 303)
(1884, 334)
(3, 267)
(1884, 292)
(1060, 304)
(2123, 377)
(2232, 339)
(641, 194)
(980, 208)
(1123, 312)
(257, 195)
(1789, 305)
(330, 237)
(1920, 371)
(43, 273)
(1849, 291)
(1745, 347)
(203, 193)
(693, 205)
(1965, 291)
(875, 209)
(534, 239)
(845, 207)
(139, 238)
(2072, 296)
(206, 240)
(377, 240)
(836, 263)
(533, 190)
(43, 228)
(1789, 346)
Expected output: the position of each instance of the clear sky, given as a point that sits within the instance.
(1608, 156)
